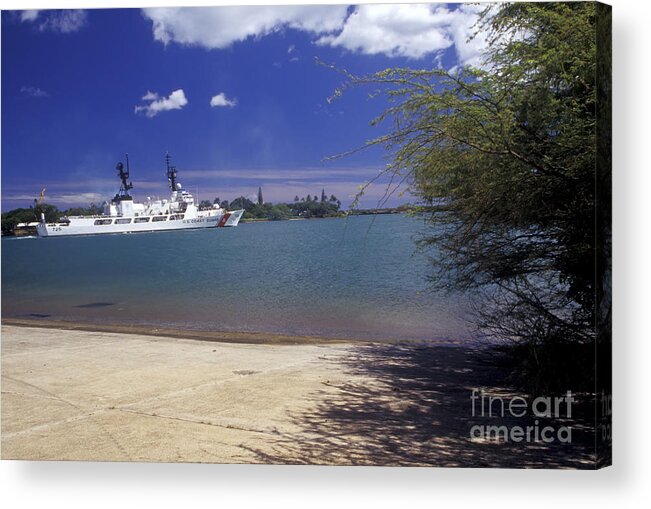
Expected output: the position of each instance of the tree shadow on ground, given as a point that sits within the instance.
(409, 405)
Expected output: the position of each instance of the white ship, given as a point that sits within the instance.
(123, 215)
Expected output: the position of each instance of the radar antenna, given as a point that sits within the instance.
(124, 177)
(171, 172)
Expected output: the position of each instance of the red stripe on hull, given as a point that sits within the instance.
(222, 221)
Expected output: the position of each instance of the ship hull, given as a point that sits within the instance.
(111, 225)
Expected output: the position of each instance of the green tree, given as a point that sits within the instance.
(314, 208)
(92, 210)
(278, 212)
(242, 203)
(27, 215)
(260, 199)
(503, 159)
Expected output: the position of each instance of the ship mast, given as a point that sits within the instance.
(123, 194)
(171, 172)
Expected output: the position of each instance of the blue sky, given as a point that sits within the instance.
(234, 94)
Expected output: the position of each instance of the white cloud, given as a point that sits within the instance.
(408, 30)
(29, 15)
(394, 30)
(175, 101)
(284, 174)
(221, 100)
(61, 200)
(150, 96)
(30, 91)
(62, 21)
(77, 199)
(219, 27)
(470, 47)
(66, 21)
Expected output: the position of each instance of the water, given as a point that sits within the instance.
(330, 277)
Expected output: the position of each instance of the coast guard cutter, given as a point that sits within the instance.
(123, 215)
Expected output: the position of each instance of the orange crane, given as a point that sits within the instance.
(37, 204)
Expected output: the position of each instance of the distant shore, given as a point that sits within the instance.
(349, 213)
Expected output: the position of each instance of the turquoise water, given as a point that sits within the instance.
(345, 278)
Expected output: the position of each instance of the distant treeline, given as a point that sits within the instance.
(306, 207)
(52, 213)
(389, 210)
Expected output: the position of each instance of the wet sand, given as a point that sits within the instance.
(210, 335)
(199, 335)
(111, 396)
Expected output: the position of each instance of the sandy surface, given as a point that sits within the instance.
(82, 395)
(95, 395)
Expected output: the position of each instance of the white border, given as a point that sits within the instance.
(115, 485)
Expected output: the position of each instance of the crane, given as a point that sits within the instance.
(37, 204)
(40, 198)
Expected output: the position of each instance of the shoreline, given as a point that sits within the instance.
(241, 337)
(254, 338)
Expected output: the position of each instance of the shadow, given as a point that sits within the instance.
(92, 305)
(37, 315)
(410, 406)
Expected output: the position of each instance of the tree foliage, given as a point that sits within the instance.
(92, 210)
(305, 208)
(502, 159)
(27, 215)
(315, 208)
